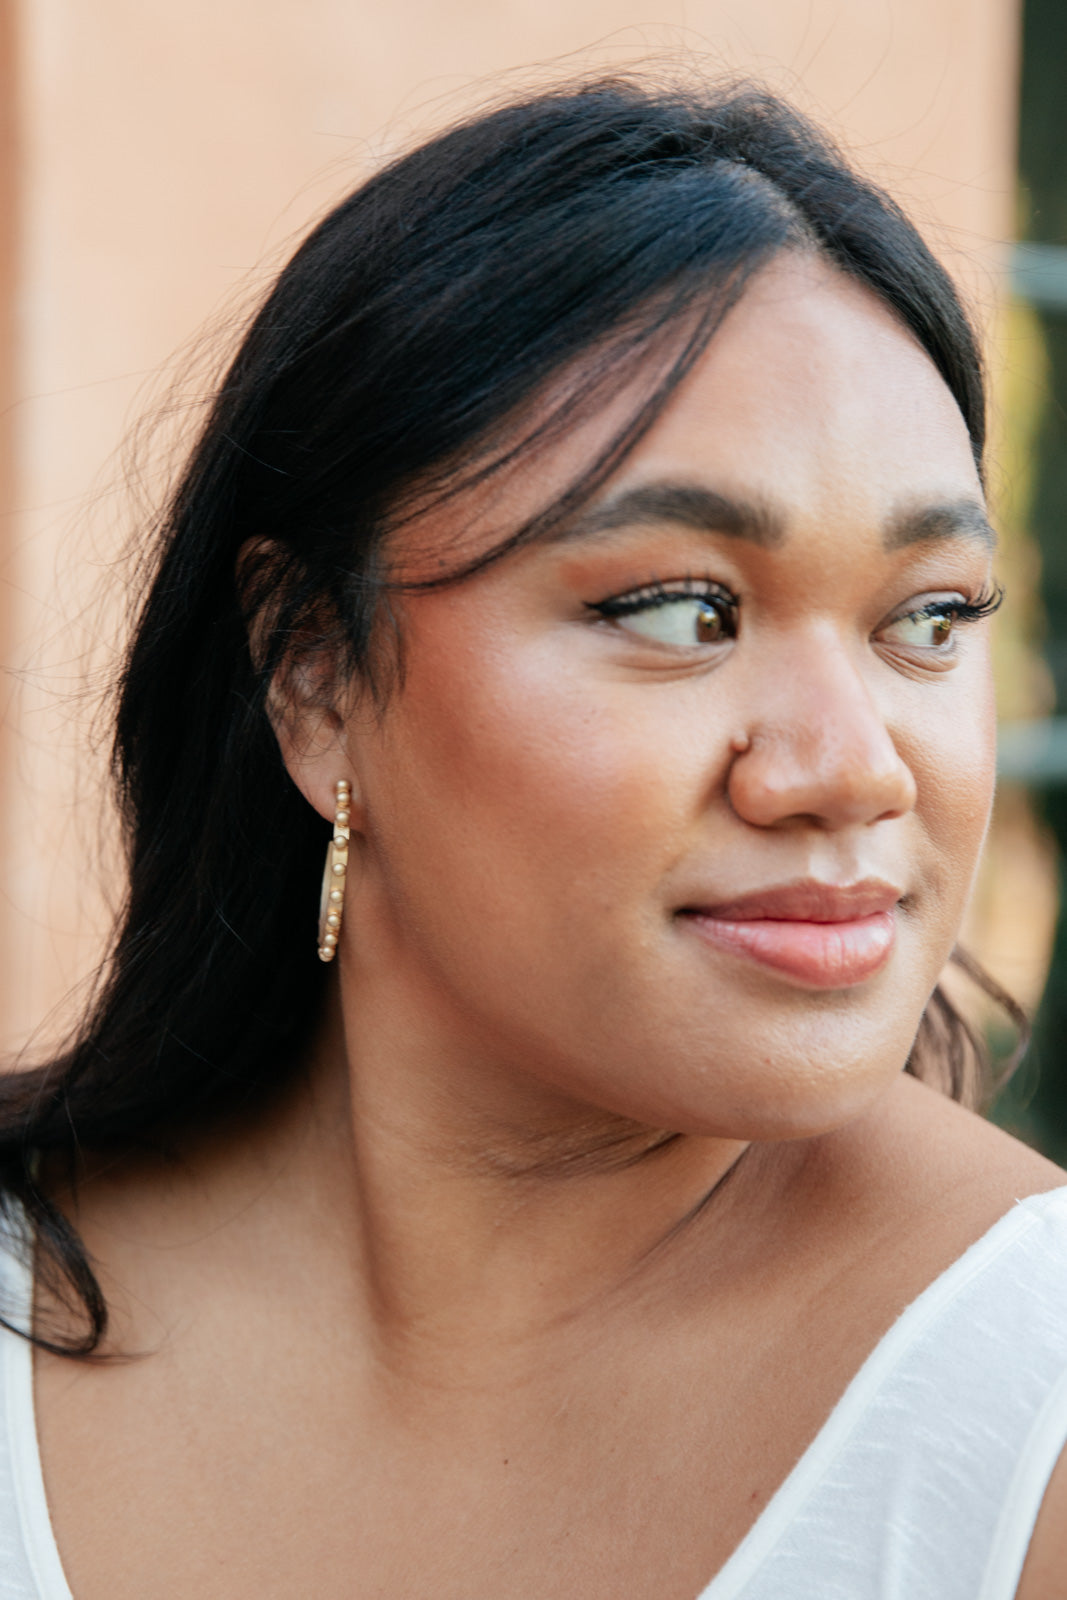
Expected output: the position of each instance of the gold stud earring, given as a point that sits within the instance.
(332, 901)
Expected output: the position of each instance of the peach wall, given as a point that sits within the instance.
(8, 259)
(167, 152)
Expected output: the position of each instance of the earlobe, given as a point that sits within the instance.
(312, 737)
(313, 746)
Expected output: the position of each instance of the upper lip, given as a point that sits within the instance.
(805, 900)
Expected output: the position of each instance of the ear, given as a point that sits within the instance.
(312, 734)
(308, 699)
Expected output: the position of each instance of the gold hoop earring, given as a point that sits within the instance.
(332, 900)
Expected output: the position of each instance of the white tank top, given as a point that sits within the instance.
(923, 1484)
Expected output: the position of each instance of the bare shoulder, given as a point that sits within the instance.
(918, 1179)
(897, 1198)
(954, 1158)
(986, 1171)
(1046, 1560)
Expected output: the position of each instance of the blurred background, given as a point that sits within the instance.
(157, 162)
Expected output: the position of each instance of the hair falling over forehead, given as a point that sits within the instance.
(603, 229)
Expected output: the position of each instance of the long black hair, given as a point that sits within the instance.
(602, 228)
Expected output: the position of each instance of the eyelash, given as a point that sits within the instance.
(985, 605)
(663, 594)
(658, 593)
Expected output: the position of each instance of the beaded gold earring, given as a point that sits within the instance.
(331, 905)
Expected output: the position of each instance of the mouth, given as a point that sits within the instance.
(822, 935)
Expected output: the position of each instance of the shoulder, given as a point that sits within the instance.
(956, 1177)
(1046, 1560)
(953, 1203)
(922, 1180)
(956, 1293)
(958, 1135)
(25, 1535)
(928, 1163)
(903, 1193)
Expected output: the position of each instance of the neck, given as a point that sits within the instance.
(484, 1206)
(464, 1217)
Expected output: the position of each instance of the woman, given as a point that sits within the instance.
(590, 528)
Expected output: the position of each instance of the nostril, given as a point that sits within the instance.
(820, 775)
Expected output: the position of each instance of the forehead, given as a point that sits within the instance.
(811, 400)
(810, 392)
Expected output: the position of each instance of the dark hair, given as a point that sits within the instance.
(602, 228)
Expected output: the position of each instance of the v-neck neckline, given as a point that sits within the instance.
(802, 1480)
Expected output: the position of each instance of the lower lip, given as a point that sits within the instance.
(824, 955)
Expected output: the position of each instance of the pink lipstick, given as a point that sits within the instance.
(826, 936)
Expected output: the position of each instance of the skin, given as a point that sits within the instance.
(455, 1317)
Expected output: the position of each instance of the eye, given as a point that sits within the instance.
(931, 628)
(680, 617)
(679, 622)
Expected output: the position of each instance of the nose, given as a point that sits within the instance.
(822, 754)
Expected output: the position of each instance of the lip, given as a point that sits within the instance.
(822, 935)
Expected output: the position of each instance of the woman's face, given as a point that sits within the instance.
(678, 813)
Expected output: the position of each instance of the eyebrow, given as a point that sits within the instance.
(957, 519)
(687, 504)
(708, 511)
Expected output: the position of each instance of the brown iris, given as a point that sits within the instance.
(710, 629)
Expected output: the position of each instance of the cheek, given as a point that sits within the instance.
(953, 759)
(517, 778)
